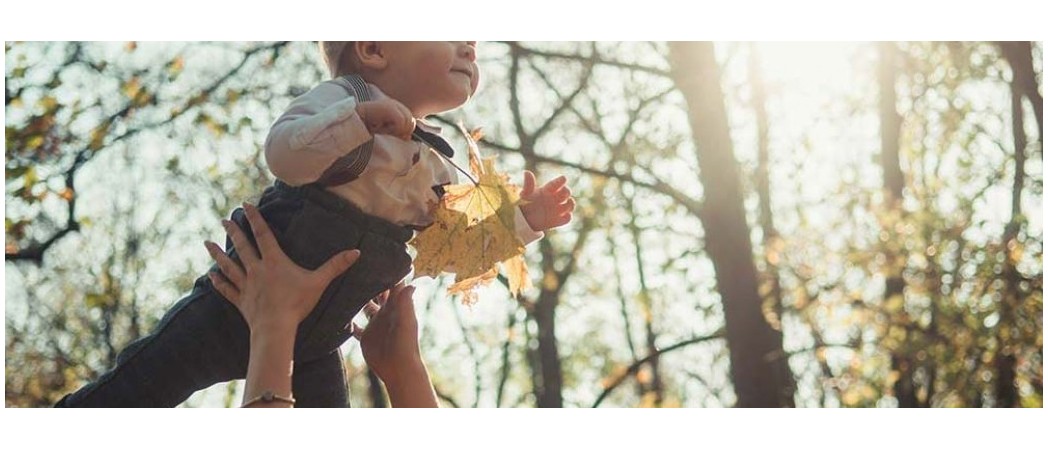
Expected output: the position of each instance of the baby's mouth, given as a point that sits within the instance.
(467, 73)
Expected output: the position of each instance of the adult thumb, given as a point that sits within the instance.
(337, 265)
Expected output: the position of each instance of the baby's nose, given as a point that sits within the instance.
(469, 50)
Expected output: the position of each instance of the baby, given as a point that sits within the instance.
(357, 168)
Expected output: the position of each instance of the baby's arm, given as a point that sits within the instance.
(524, 231)
(324, 125)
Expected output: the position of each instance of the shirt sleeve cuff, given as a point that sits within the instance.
(337, 129)
(524, 231)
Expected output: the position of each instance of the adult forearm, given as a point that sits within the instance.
(270, 366)
(411, 387)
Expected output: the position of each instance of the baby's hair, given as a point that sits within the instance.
(340, 57)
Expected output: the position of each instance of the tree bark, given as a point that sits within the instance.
(654, 385)
(1024, 80)
(759, 369)
(549, 392)
(770, 236)
(1007, 394)
(891, 123)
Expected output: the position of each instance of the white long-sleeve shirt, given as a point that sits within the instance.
(397, 182)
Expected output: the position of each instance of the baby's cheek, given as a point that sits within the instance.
(475, 81)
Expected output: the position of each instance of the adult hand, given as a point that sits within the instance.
(389, 343)
(269, 289)
(273, 294)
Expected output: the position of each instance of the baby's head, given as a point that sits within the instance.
(427, 77)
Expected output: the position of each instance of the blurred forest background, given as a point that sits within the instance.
(759, 224)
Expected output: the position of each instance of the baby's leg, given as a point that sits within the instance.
(321, 383)
(201, 341)
(316, 234)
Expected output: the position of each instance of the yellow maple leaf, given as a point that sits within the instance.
(473, 231)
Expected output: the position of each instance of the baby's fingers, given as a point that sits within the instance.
(561, 195)
(567, 206)
(406, 125)
(560, 220)
(555, 184)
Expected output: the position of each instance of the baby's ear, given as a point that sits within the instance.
(370, 54)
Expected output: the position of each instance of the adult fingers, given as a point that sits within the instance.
(370, 309)
(381, 299)
(230, 292)
(248, 254)
(267, 243)
(405, 301)
(231, 269)
(400, 302)
(336, 265)
(401, 310)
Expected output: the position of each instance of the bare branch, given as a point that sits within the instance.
(633, 368)
(36, 252)
(516, 47)
(504, 373)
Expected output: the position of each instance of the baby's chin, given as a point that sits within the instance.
(452, 104)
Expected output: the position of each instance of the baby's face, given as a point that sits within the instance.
(433, 77)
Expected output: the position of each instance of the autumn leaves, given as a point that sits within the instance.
(473, 232)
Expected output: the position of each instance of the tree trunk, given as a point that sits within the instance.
(1007, 394)
(770, 236)
(759, 369)
(548, 392)
(891, 122)
(654, 384)
(1020, 58)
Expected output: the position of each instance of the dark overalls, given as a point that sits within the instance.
(204, 340)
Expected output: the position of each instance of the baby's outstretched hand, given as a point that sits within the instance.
(387, 116)
(549, 206)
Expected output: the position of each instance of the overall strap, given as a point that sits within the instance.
(347, 168)
(350, 166)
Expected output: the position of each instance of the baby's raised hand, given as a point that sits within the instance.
(387, 116)
(547, 207)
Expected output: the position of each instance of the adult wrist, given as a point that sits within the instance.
(275, 328)
(408, 369)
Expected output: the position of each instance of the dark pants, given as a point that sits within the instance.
(203, 339)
